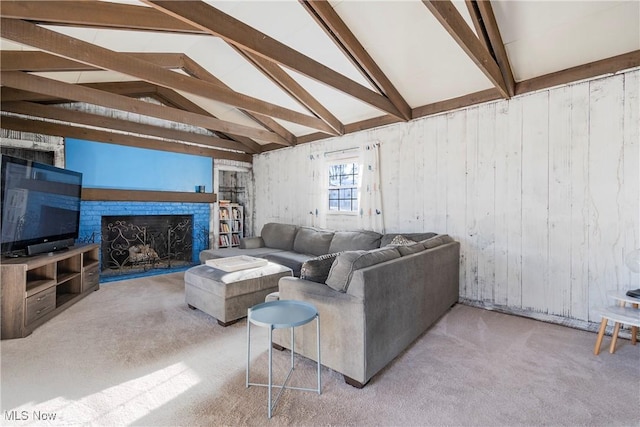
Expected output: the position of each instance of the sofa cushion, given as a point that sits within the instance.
(229, 252)
(251, 243)
(347, 262)
(312, 241)
(290, 259)
(410, 249)
(279, 236)
(317, 269)
(354, 240)
(438, 240)
(417, 237)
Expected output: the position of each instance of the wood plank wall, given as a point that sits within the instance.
(542, 191)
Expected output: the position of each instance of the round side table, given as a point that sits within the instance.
(619, 314)
(281, 314)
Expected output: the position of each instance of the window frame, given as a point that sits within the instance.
(354, 187)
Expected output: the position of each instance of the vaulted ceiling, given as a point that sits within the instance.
(234, 78)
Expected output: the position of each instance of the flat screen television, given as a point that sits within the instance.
(40, 207)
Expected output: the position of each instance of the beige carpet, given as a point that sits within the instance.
(134, 354)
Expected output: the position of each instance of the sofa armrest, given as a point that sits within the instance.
(341, 326)
(251, 243)
(307, 290)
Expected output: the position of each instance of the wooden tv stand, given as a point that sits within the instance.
(36, 288)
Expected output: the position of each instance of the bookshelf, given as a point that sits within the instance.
(231, 225)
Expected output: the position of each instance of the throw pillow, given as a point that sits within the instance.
(317, 269)
(436, 241)
(400, 240)
(347, 262)
(410, 249)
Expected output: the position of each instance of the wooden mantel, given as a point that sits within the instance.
(104, 194)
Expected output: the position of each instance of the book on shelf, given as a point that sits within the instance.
(224, 241)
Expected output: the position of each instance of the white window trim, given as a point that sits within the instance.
(341, 161)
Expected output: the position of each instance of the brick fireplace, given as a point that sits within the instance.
(144, 238)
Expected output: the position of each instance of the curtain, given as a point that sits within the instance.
(318, 191)
(371, 213)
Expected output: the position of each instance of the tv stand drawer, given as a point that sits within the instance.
(91, 278)
(40, 304)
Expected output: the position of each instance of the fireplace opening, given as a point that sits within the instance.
(133, 244)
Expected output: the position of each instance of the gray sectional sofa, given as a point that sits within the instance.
(292, 245)
(376, 294)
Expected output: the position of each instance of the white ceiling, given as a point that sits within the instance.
(415, 52)
(544, 37)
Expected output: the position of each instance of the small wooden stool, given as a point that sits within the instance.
(620, 315)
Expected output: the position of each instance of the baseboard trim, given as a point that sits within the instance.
(582, 325)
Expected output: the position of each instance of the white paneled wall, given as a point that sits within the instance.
(542, 191)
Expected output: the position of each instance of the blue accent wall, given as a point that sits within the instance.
(130, 168)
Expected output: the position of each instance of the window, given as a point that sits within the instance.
(343, 187)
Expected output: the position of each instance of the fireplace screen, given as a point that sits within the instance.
(138, 243)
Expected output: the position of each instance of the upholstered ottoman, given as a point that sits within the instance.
(227, 295)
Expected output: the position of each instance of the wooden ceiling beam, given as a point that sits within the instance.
(134, 88)
(42, 61)
(194, 69)
(346, 41)
(25, 81)
(70, 131)
(172, 97)
(458, 102)
(496, 44)
(11, 94)
(581, 72)
(217, 23)
(294, 89)
(96, 120)
(59, 44)
(95, 14)
(476, 18)
(449, 17)
(587, 71)
(118, 16)
(37, 61)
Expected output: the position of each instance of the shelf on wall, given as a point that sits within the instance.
(102, 194)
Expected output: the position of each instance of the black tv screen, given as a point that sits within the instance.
(40, 206)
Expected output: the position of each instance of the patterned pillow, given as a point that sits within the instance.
(400, 240)
(317, 269)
